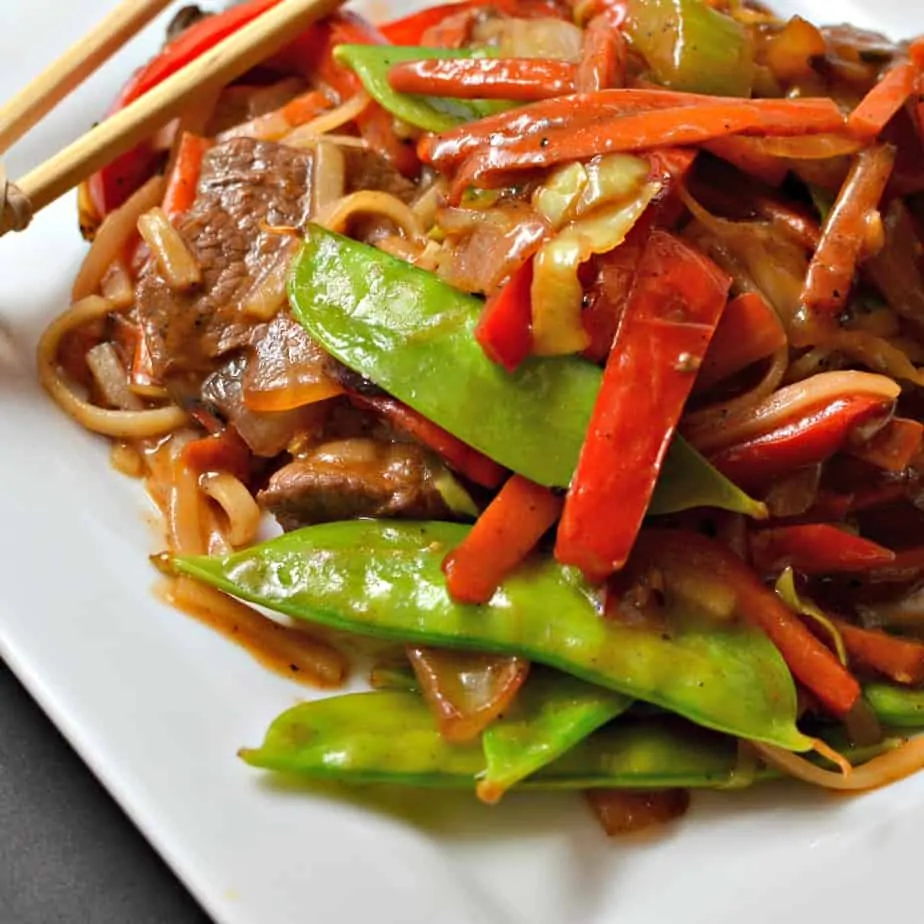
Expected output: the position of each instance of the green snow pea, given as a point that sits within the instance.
(389, 737)
(549, 716)
(899, 707)
(371, 63)
(412, 334)
(382, 578)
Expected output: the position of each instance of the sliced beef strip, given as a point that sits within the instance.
(244, 184)
(367, 169)
(355, 478)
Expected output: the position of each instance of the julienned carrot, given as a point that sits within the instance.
(900, 659)
(686, 559)
(218, 452)
(603, 57)
(687, 125)
(504, 534)
(815, 548)
(676, 301)
(504, 327)
(485, 78)
(749, 330)
(463, 458)
(894, 446)
(831, 272)
(882, 102)
(184, 178)
(445, 151)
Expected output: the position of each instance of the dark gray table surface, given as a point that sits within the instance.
(68, 855)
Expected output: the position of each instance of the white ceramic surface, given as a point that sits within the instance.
(157, 705)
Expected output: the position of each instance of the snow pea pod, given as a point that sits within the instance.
(413, 335)
(371, 64)
(899, 707)
(551, 714)
(389, 737)
(382, 578)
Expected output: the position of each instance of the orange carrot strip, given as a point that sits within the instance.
(748, 331)
(505, 533)
(484, 78)
(832, 269)
(181, 187)
(219, 452)
(688, 557)
(898, 658)
(876, 109)
(603, 57)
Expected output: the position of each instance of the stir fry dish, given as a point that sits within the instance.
(578, 351)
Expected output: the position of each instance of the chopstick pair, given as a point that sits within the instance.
(227, 60)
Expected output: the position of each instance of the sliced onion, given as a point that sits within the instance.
(338, 214)
(788, 403)
(176, 261)
(111, 378)
(540, 38)
(329, 176)
(307, 135)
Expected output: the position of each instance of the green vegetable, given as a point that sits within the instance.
(900, 707)
(690, 46)
(382, 578)
(390, 737)
(786, 590)
(549, 716)
(454, 495)
(412, 334)
(371, 63)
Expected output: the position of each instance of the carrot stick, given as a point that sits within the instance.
(603, 57)
(181, 187)
(687, 125)
(900, 659)
(749, 330)
(505, 533)
(815, 548)
(831, 272)
(876, 109)
(686, 557)
(485, 78)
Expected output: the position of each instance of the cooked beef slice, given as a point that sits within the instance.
(244, 186)
(355, 478)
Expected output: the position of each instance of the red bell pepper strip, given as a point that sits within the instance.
(616, 11)
(603, 57)
(114, 183)
(505, 533)
(463, 458)
(503, 331)
(808, 440)
(749, 330)
(410, 30)
(184, 178)
(831, 272)
(900, 659)
(815, 548)
(877, 108)
(676, 302)
(831, 506)
(523, 79)
(685, 125)
(747, 156)
(219, 452)
(894, 446)
(685, 557)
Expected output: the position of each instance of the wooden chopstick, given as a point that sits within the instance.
(81, 60)
(229, 59)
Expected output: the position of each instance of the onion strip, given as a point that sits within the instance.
(307, 134)
(176, 261)
(337, 216)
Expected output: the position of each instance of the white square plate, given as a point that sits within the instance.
(157, 705)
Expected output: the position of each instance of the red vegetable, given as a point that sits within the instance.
(815, 548)
(749, 330)
(900, 659)
(485, 78)
(603, 57)
(747, 155)
(676, 301)
(181, 187)
(894, 446)
(686, 558)
(504, 327)
(467, 461)
(114, 183)
(626, 811)
(219, 452)
(882, 102)
(410, 30)
(465, 690)
(505, 533)
(807, 440)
